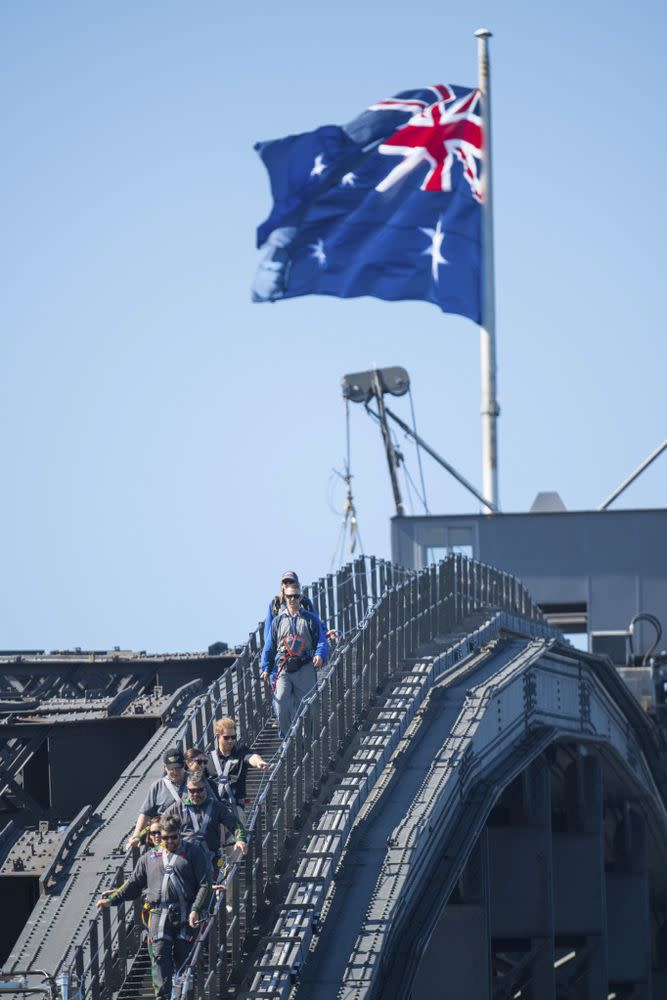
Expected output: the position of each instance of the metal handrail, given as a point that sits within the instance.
(403, 617)
(71, 833)
(382, 613)
(13, 983)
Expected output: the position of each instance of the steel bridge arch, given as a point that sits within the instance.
(460, 631)
(541, 962)
(534, 701)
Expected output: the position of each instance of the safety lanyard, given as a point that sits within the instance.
(173, 879)
(172, 790)
(224, 782)
(223, 772)
(200, 826)
(224, 769)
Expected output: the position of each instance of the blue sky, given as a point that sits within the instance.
(168, 446)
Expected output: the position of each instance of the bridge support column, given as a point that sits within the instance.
(522, 912)
(537, 797)
(628, 915)
(579, 881)
(457, 962)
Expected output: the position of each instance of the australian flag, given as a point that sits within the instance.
(388, 205)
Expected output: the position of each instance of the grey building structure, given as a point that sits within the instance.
(590, 571)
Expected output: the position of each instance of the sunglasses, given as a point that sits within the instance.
(292, 597)
(170, 836)
(199, 790)
(154, 833)
(228, 736)
(199, 760)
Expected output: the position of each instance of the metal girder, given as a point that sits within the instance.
(11, 766)
(462, 933)
(24, 799)
(545, 885)
(60, 920)
(458, 733)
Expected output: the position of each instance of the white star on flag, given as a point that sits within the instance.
(318, 253)
(437, 236)
(319, 166)
(347, 180)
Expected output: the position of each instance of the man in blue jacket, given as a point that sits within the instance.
(277, 604)
(296, 647)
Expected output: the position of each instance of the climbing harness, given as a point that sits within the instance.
(172, 790)
(172, 879)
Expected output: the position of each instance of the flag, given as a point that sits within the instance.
(388, 205)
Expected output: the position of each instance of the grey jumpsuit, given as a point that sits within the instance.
(175, 885)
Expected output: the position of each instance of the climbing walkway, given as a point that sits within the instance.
(487, 723)
(450, 725)
(66, 910)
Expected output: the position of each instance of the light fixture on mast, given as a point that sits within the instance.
(362, 387)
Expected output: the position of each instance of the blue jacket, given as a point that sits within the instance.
(276, 606)
(320, 645)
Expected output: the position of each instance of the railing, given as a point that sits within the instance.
(22, 983)
(71, 834)
(383, 614)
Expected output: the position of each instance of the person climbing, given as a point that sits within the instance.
(228, 768)
(297, 646)
(277, 603)
(162, 793)
(176, 878)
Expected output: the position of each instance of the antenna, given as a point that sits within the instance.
(350, 523)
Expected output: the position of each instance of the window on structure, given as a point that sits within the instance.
(570, 618)
(578, 639)
(449, 540)
(434, 553)
(460, 542)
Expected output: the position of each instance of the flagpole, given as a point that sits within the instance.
(490, 408)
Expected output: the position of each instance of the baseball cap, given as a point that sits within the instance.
(289, 574)
(173, 758)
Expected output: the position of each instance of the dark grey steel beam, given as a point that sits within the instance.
(579, 872)
(518, 875)
(460, 945)
(537, 796)
(628, 914)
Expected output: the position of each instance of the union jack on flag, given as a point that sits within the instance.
(388, 205)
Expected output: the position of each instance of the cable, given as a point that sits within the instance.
(645, 616)
(401, 464)
(400, 460)
(337, 557)
(330, 491)
(348, 452)
(421, 498)
(419, 453)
